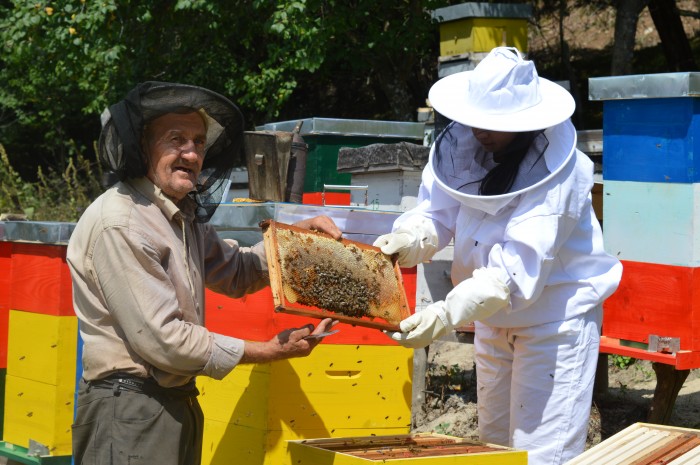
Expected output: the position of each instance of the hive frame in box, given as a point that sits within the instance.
(403, 449)
(282, 303)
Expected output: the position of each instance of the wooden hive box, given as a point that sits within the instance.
(421, 448)
(40, 381)
(645, 444)
(478, 27)
(652, 199)
(339, 390)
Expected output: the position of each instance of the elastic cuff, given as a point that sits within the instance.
(440, 312)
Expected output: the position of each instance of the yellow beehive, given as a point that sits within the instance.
(338, 390)
(481, 35)
(478, 27)
(408, 449)
(40, 412)
(42, 347)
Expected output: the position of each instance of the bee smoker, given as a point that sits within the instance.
(297, 167)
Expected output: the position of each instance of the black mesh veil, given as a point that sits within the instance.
(120, 149)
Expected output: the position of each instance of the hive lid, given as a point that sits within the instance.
(645, 444)
(312, 274)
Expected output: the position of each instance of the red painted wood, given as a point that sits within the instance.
(332, 198)
(5, 274)
(683, 360)
(254, 318)
(655, 299)
(40, 279)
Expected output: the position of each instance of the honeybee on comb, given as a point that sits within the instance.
(313, 274)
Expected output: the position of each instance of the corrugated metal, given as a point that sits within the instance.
(645, 444)
(662, 85)
(44, 232)
(350, 127)
(482, 10)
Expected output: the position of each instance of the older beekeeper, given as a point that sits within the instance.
(140, 258)
(507, 184)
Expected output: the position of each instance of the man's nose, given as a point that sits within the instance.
(190, 150)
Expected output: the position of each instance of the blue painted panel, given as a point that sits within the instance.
(652, 222)
(652, 140)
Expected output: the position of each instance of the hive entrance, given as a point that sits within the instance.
(315, 275)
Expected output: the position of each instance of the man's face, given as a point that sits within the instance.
(175, 145)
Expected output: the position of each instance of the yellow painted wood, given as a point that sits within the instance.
(38, 411)
(345, 387)
(226, 444)
(277, 442)
(42, 347)
(314, 454)
(241, 398)
(480, 35)
(338, 390)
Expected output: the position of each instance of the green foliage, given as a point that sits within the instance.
(62, 62)
(56, 196)
(620, 361)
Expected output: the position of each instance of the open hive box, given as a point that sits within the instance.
(645, 444)
(410, 448)
(314, 275)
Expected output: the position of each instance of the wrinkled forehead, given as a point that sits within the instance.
(180, 115)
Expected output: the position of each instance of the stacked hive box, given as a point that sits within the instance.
(357, 382)
(468, 31)
(5, 262)
(41, 348)
(651, 212)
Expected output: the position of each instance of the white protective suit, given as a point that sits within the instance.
(536, 357)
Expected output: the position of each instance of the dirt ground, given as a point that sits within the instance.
(450, 401)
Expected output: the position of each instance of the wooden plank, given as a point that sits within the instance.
(682, 360)
(679, 445)
(667, 213)
(663, 300)
(669, 382)
(41, 280)
(651, 140)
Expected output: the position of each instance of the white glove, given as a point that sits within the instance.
(415, 240)
(474, 299)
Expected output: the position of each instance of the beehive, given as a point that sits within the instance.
(478, 27)
(419, 448)
(339, 390)
(39, 392)
(315, 275)
(652, 184)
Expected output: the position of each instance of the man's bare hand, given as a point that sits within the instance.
(321, 223)
(289, 343)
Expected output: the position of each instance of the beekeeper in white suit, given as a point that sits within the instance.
(506, 182)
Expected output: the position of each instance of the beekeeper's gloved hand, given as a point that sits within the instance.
(474, 299)
(415, 240)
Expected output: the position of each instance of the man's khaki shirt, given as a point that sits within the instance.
(139, 266)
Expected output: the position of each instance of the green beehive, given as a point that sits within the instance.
(326, 136)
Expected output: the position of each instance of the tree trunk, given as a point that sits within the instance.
(625, 31)
(674, 42)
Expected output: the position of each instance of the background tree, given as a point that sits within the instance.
(63, 61)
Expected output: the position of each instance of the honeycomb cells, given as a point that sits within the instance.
(337, 276)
